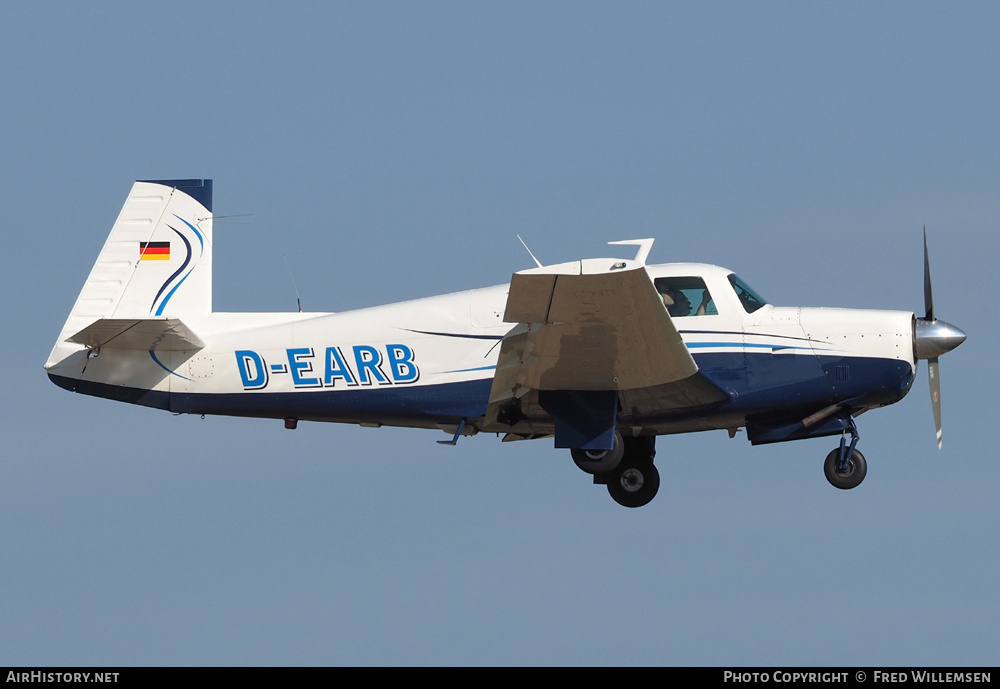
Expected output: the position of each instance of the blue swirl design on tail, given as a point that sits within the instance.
(182, 273)
(184, 267)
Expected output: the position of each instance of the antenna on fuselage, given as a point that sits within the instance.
(537, 262)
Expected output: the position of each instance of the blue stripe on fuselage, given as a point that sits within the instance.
(757, 383)
(384, 405)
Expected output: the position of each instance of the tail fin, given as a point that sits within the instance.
(156, 263)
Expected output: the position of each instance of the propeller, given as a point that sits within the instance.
(931, 339)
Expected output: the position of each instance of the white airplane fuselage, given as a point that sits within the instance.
(430, 362)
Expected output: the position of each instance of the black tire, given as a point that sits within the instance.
(851, 476)
(634, 485)
(600, 461)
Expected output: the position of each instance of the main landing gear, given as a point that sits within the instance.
(627, 469)
(846, 467)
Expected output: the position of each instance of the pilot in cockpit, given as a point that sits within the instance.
(672, 290)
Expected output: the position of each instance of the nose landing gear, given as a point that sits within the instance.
(846, 467)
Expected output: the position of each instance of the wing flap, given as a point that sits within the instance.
(142, 334)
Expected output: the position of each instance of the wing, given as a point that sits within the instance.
(594, 348)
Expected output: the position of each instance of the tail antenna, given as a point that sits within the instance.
(292, 276)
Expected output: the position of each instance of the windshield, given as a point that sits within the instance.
(751, 300)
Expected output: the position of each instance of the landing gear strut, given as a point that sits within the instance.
(846, 467)
(633, 481)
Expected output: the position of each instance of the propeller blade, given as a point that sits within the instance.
(932, 338)
(935, 380)
(928, 296)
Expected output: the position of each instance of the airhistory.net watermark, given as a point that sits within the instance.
(61, 677)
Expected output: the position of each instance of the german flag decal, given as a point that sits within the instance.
(154, 251)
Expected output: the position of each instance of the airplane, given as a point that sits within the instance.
(601, 354)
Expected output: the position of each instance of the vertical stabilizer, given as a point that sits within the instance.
(156, 263)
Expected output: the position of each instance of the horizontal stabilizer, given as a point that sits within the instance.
(142, 334)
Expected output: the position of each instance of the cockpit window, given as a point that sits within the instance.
(685, 296)
(751, 300)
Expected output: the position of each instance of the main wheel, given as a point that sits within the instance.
(634, 485)
(851, 476)
(600, 461)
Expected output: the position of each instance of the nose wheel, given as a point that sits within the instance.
(846, 467)
(849, 476)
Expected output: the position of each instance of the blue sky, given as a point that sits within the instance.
(380, 151)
